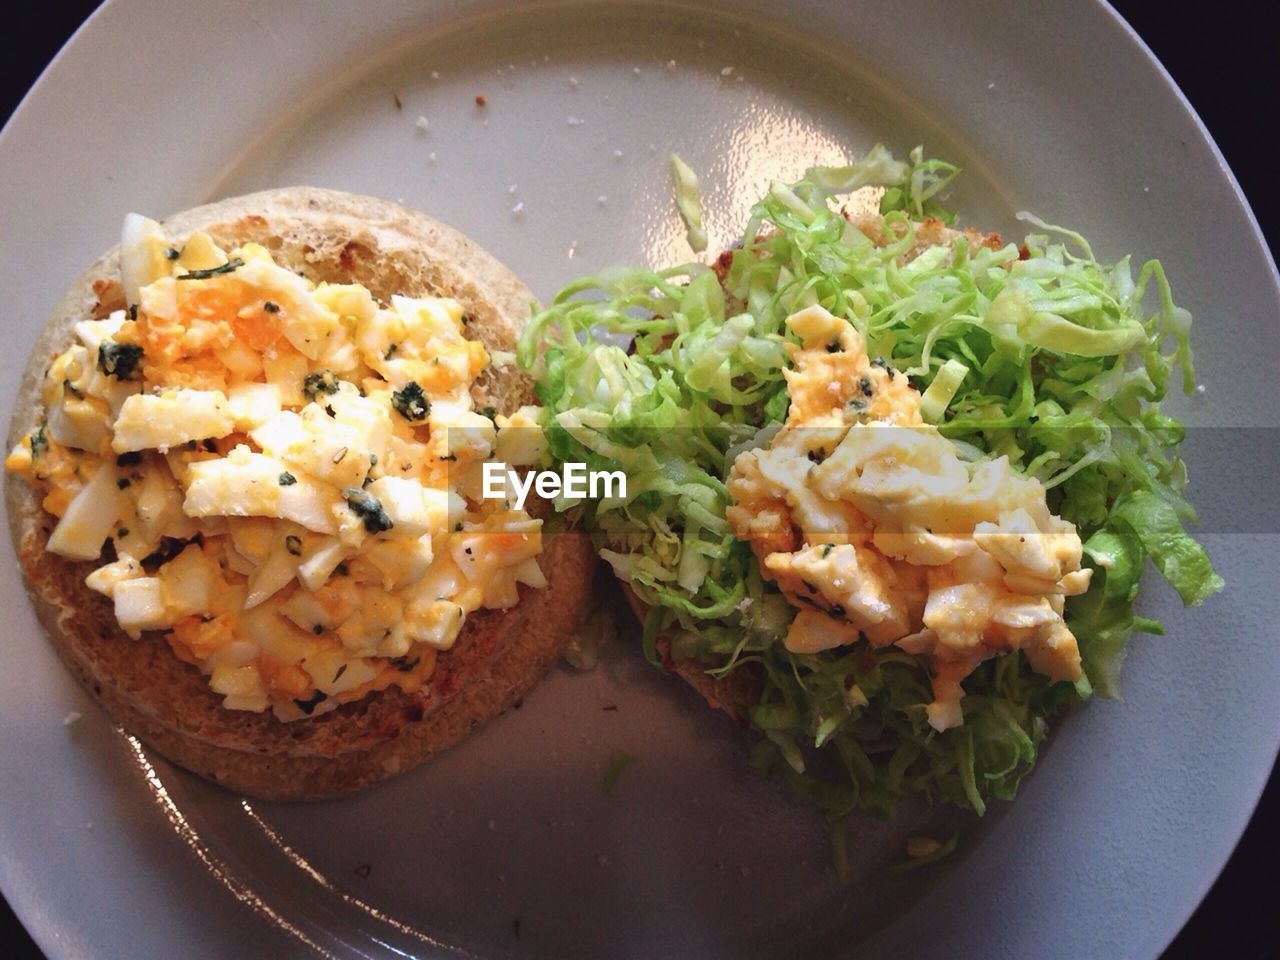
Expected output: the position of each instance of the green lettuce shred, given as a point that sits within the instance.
(1046, 355)
(689, 202)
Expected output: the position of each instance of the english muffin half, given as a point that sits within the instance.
(245, 344)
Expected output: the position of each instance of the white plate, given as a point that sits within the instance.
(1136, 804)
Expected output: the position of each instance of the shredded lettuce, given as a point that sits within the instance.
(619, 760)
(1181, 560)
(689, 202)
(1036, 351)
(877, 169)
(936, 397)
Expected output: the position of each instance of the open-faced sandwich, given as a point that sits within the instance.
(891, 483)
(244, 486)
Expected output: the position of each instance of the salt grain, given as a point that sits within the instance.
(726, 71)
(422, 123)
(574, 121)
(518, 210)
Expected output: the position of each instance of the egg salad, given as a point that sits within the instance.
(870, 523)
(280, 476)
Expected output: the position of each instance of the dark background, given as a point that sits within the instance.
(1225, 58)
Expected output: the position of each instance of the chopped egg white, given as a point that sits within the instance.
(160, 421)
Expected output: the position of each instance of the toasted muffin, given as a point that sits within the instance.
(499, 654)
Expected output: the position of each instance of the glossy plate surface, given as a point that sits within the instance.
(508, 846)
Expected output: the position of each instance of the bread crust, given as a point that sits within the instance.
(167, 703)
(734, 693)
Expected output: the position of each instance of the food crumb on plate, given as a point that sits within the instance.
(518, 210)
(481, 100)
(922, 847)
(363, 870)
(574, 121)
(71, 718)
(422, 123)
(573, 82)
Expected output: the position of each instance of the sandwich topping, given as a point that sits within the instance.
(870, 523)
(897, 570)
(282, 477)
